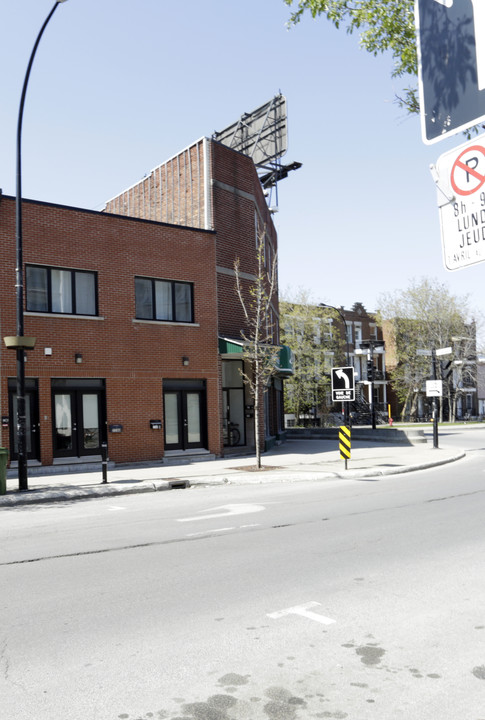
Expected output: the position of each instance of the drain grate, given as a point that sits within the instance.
(178, 484)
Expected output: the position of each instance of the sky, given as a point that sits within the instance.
(119, 86)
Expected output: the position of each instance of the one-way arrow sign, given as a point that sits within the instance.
(343, 384)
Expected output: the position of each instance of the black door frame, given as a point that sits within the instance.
(182, 388)
(33, 430)
(76, 389)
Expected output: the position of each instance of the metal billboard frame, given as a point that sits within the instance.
(261, 134)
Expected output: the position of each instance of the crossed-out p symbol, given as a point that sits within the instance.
(468, 171)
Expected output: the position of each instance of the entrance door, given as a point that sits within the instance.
(185, 425)
(77, 422)
(32, 426)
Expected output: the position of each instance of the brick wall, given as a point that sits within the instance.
(133, 357)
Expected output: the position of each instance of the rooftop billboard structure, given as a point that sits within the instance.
(261, 134)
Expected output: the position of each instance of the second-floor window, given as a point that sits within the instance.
(57, 290)
(166, 300)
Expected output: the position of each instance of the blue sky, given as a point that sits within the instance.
(119, 86)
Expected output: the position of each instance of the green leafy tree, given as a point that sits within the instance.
(312, 334)
(382, 26)
(422, 317)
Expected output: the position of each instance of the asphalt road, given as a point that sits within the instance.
(350, 599)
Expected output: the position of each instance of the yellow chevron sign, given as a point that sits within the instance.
(344, 442)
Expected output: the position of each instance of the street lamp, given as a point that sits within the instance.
(19, 342)
(331, 307)
(371, 345)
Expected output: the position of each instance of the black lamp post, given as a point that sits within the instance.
(371, 345)
(19, 342)
(331, 307)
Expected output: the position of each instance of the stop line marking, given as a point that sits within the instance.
(304, 611)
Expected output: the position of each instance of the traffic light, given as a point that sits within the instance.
(370, 370)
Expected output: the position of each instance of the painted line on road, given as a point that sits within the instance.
(224, 511)
(218, 530)
(304, 611)
(210, 532)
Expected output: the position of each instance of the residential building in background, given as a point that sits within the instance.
(324, 337)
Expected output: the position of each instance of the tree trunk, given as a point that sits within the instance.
(257, 419)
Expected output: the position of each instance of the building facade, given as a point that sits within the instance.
(136, 317)
(322, 337)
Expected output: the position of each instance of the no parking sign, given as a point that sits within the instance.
(460, 180)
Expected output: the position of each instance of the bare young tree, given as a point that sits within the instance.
(260, 352)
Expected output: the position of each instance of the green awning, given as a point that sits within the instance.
(228, 346)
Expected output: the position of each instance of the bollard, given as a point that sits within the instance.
(104, 461)
(3, 470)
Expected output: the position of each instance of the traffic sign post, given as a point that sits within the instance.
(460, 180)
(343, 384)
(451, 63)
(434, 388)
(344, 434)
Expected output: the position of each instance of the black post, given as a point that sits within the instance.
(104, 460)
(345, 405)
(371, 387)
(19, 275)
(435, 404)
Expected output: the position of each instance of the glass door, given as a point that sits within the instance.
(192, 419)
(77, 423)
(184, 421)
(32, 425)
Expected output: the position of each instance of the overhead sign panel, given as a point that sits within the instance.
(460, 181)
(451, 61)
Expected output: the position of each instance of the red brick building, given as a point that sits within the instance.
(135, 315)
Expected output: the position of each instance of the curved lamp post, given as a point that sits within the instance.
(331, 307)
(19, 342)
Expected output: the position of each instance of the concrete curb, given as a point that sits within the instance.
(106, 490)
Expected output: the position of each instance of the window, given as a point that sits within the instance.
(164, 300)
(348, 330)
(358, 333)
(55, 290)
(327, 332)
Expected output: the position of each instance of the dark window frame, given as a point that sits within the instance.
(73, 272)
(173, 284)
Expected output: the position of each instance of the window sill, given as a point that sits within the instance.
(168, 323)
(65, 316)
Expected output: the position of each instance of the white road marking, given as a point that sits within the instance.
(210, 532)
(304, 611)
(116, 507)
(224, 511)
(214, 530)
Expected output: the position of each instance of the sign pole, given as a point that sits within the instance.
(344, 443)
(435, 404)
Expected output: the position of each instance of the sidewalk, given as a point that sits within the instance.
(295, 461)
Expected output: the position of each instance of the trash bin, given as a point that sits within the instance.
(3, 470)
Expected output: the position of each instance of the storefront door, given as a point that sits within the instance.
(185, 415)
(77, 415)
(32, 440)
